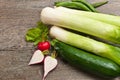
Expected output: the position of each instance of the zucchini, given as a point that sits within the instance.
(88, 62)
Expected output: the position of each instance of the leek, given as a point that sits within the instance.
(80, 23)
(86, 43)
(111, 19)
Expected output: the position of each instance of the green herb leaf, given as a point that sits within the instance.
(37, 34)
(53, 42)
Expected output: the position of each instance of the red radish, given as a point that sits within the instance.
(49, 64)
(43, 45)
(37, 57)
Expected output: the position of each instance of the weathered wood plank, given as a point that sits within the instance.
(13, 26)
(14, 66)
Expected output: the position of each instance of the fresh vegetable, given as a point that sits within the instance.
(36, 58)
(78, 5)
(86, 3)
(106, 18)
(86, 43)
(98, 4)
(44, 45)
(69, 19)
(73, 5)
(49, 64)
(75, 20)
(37, 34)
(86, 61)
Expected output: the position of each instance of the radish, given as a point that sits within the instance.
(37, 57)
(49, 64)
(43, 45)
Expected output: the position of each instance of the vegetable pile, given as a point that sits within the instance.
(63, 31)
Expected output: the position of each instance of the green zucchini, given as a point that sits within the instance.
(88, 62)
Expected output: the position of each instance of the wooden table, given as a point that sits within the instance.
(16, 17)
